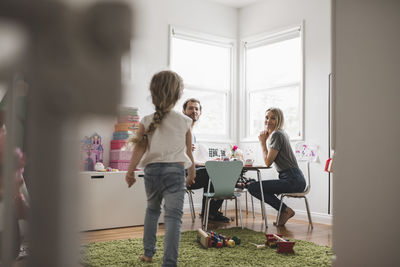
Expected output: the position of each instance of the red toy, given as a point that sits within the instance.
(283, 245)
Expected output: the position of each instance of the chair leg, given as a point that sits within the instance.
(191, 199)
(192, 213)
(203, 220)
(252, 206)
(240, 212)
(308, 212)
(206, 212)
(236, 211)
(279, 211)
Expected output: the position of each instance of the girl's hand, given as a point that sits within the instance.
(130, 178)
(263, 136)
(190, 180)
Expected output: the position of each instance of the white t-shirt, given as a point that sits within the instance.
(168, 141)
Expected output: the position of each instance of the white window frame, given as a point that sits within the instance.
(231, 94)
(258, 40)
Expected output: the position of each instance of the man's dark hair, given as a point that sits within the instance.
(191, 100)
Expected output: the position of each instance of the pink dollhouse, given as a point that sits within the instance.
(92, 152)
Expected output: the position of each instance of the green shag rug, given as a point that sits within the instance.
(191, 253)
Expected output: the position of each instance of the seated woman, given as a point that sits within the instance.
(278, 150)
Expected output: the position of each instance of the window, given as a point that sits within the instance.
(273, 77)
(206, 65)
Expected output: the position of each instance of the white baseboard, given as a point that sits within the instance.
(300, 214)
(316, 217)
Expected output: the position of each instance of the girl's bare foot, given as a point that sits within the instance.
(145, 259)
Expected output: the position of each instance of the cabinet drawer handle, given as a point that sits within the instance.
(97, 176)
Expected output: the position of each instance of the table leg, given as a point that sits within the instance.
(262, 199)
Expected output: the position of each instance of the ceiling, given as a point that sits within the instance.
(236, 3)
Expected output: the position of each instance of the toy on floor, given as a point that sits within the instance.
(211, 239)
(283, 246)
(271, 240)
(276, 241)
(236, 239)
(258, 246)
(202, 238)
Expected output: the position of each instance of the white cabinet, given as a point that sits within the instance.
(107, 202)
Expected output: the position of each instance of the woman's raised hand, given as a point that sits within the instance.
(263, 136)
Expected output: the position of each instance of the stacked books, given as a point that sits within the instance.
(126, 127)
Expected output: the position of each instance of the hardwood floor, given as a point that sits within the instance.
(321, 234)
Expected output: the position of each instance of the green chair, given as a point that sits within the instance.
(223, 175)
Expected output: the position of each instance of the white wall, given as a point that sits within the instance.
(272, 15)
(366, 177)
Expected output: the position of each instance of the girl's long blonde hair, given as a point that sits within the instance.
(166, 88)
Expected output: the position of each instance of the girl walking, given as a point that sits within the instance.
(163, 147)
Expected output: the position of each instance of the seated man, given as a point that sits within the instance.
(192, 109)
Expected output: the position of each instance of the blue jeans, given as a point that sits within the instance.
(164, 181)
(290, 181)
